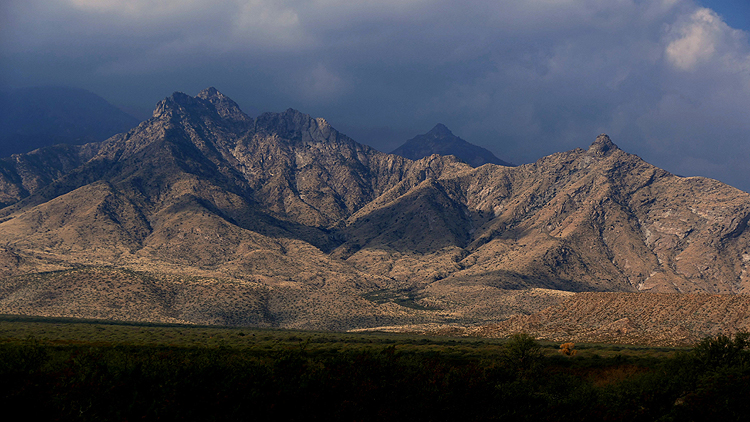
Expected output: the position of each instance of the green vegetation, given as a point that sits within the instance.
(59, 369)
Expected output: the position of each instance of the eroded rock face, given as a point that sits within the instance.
(287, 202)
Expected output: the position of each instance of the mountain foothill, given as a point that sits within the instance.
(202, 214)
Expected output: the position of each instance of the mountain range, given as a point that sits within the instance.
(202, 214)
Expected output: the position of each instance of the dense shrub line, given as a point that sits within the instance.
(120, 383)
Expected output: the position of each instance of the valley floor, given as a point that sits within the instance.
(65, 369)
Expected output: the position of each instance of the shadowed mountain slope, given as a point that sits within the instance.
(333, 234)
(37, 117)
(440, 140)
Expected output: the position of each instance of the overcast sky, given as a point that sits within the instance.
(668, 80)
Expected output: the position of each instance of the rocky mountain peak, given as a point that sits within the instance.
(225, 106)
(602, 146)
(210, 93)
(208, 101)
(177, 102)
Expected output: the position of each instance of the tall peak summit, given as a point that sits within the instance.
(167, 107)
(225, 106)
(210, 92)
(208, 100)
(602, 146)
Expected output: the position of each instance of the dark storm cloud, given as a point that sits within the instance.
(667, 79)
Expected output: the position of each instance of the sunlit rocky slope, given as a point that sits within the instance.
(203, 214)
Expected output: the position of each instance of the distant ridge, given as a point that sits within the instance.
(37, 117)
(440, 140)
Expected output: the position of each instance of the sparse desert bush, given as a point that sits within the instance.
(722, 350)
(568, 349)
